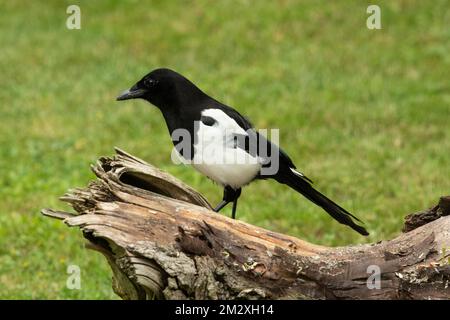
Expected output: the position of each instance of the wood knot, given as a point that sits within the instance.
(194, 242)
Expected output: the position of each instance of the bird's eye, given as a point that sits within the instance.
(149, 83)
(207, 121)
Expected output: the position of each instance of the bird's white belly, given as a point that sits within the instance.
(230, 174)
(216, 155)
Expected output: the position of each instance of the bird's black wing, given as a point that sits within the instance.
(258, 145)
(241, 120)
(256, 139)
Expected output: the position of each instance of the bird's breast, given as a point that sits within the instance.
(217, 156)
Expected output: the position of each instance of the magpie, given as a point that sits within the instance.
(222, 142)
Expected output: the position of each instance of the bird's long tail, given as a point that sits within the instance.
(301, 185)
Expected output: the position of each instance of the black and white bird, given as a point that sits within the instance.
(223, 140)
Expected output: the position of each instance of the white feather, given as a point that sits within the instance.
(215, 154)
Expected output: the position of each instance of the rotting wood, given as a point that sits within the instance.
(162, 241)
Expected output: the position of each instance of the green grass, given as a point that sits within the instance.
(366, 114)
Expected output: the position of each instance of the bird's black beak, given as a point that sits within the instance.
(132, 93)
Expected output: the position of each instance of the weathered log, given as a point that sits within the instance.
(162, 240)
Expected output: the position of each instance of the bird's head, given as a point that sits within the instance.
(162, 87)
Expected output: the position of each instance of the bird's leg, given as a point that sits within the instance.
(233, 213)
(229, 195)
(222, 204)
(225, 200)
(236, 195)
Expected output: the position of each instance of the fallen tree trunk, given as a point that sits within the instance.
(162, 240)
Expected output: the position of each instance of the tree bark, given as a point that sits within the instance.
(162, 241)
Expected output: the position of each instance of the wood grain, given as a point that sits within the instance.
(162, 241)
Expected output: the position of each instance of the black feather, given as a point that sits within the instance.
(333, 209)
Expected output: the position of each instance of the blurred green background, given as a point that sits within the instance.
(366, 114)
